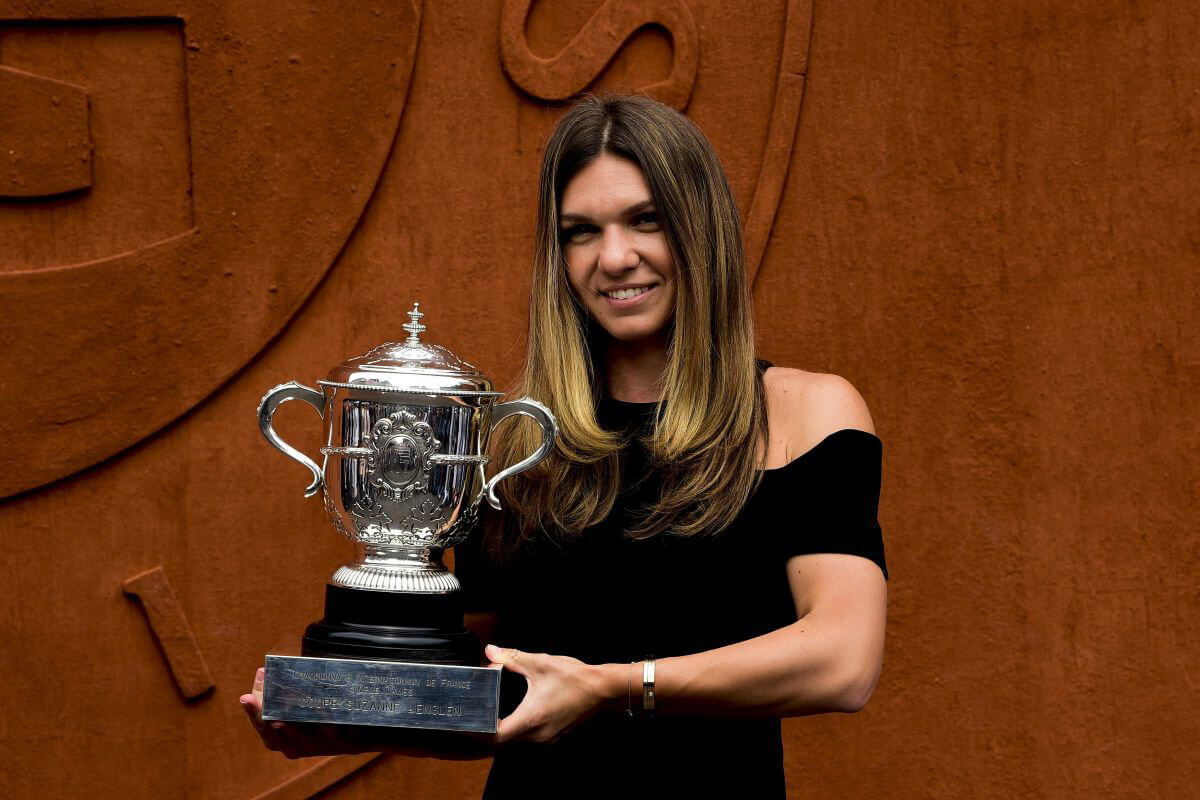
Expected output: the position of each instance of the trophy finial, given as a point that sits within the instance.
(415, 327)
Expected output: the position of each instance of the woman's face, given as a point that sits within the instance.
(618, 259)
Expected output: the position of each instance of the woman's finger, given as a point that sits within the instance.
(252, 705)
(293, 740)
(510, 658)
(252, 708)
(516, 724)
(275, 735)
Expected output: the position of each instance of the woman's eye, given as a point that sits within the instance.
(648, 220)
(576, 232)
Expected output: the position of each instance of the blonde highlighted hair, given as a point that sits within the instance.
(711, 425)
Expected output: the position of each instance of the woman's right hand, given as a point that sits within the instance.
(304, 739)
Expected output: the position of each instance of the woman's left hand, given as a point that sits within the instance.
(562, 693)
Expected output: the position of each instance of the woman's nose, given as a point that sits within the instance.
(617, 252)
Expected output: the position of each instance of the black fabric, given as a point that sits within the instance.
(602, 598)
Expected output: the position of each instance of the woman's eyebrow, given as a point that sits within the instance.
(626, 212)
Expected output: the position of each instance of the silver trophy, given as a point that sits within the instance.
(406, 428)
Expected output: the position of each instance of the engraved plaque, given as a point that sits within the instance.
(349, 691)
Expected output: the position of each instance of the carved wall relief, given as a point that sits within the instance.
(612, 25)
(172, 630)
(989, 229)
(570, 71)
(139, 187)
(232, 158)
(45, 146)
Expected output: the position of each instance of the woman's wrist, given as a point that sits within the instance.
(610, 685)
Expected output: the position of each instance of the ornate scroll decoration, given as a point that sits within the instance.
(400, 455)
(371, 522)
(468, 519)
(425, 518)
(579, 63)
(331, 510)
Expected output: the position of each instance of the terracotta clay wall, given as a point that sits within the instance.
(981, 214)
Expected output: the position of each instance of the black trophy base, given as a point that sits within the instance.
(392, 626)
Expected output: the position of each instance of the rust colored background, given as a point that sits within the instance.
(983, 215)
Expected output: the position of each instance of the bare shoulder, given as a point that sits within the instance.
(805, 407)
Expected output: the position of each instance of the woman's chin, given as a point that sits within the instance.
(632, 334)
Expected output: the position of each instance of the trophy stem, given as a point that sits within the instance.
(390, 568)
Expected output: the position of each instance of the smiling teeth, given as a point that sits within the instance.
(625, 294)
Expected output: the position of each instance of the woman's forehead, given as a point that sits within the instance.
(608, 186)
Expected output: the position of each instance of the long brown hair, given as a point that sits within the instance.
(711, 420)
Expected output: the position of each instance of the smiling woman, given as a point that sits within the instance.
(700, 505)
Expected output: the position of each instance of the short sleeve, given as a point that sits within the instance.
(827, 500)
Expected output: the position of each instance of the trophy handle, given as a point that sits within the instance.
(266, 409)
(543, 417)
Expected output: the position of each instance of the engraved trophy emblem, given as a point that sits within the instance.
(405, 434)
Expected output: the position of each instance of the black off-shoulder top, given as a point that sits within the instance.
(602, 598)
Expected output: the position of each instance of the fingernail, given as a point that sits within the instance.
(491, 650)
(259, 675)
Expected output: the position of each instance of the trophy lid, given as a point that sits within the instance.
(411, 366)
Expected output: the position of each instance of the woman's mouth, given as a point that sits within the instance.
(623, 298)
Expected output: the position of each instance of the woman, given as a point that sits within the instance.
(702, 511)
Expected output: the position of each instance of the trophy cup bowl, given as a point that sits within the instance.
(405, 436)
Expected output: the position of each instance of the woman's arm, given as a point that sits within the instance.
(828, 660)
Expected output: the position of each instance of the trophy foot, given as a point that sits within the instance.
(396, 579)
(392, 626)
